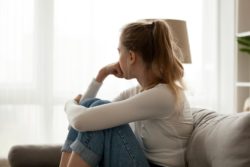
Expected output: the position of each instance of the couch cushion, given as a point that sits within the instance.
(219, 140)
(35, 156)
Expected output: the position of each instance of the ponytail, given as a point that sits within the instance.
(166, 62)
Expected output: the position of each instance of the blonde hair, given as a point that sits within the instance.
(154, 42)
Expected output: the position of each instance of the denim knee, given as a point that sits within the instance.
(91, 102)
(87, 102)
(99, 102)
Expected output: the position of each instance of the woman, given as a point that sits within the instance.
(101, 135)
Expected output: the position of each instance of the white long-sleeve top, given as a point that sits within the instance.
(161, 130)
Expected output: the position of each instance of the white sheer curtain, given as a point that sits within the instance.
(51, 49)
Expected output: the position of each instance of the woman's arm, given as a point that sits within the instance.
(146, 105)
(91, 91)
(111, 69)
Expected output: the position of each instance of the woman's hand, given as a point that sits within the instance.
(113, 69)
(78, 98)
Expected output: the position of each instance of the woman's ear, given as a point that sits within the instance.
(132, 57)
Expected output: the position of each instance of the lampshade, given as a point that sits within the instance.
(178, 29)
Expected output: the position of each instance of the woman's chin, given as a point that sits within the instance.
(128, 77)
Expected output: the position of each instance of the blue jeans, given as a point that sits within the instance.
(113, 147)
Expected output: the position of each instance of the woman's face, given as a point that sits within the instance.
(123, 61)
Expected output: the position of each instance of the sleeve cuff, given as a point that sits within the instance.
(68, 104)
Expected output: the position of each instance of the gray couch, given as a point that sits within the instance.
(217, 141)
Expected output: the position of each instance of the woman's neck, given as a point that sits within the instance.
(147, 80)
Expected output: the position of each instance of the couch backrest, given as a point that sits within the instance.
(219, 140)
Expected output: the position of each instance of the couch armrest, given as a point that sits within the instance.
(35, 156)
(219, 140)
